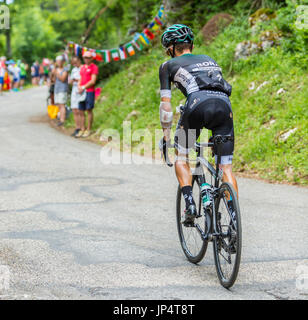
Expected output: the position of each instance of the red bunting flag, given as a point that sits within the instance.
(149, 34)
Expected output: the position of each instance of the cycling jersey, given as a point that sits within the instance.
(192, 73)
(200, 79)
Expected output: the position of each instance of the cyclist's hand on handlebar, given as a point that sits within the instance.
(163, 147)
(180, 108)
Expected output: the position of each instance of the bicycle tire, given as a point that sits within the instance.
(228, 281)
(197, 257)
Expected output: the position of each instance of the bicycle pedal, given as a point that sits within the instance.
(188, 224)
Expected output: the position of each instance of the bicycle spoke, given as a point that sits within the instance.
(191, 239)
(228, 260)
(227, 247)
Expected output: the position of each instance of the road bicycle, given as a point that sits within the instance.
(218, 222)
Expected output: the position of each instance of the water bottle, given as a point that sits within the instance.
(206, 194)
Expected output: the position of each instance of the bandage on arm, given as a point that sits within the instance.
(166, 114)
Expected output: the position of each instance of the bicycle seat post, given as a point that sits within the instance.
(199, 151)
(217, 170)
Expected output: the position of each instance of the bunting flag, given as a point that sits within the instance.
(144, 39)
(77, 50)
(161, 12)
(98, 57)
(84, 49)
(123, 54)
(158, 21)
(138, 42)
(106, 56)
(149, 34)
(151, 25)
(115, 54)
(130, 49)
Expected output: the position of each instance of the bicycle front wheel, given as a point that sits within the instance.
(228, 245)
(193, 245)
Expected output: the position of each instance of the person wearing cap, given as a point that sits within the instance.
(14, 71)
(86, 88)
(61, 87)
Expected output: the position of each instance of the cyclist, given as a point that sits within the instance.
(200, 79)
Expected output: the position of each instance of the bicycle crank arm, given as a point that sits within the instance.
(204, 236)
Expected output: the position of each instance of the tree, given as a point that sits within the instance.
(34, 36)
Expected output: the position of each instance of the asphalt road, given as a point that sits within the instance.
(72, 227)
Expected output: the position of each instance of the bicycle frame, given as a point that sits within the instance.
(217, 174)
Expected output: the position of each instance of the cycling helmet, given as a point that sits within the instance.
(177, 33)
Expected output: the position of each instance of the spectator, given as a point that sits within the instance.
(52, 81)
(14, 71)
(23, 73)
(86, 87)
(46, 67)
(10, 73)
(41, 74)
(74, 79)
(16, 77)
(35, 73)
(2, 72)
(61, 88)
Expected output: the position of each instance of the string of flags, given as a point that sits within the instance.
(137, 43)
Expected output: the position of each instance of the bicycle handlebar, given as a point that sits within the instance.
(198, 145)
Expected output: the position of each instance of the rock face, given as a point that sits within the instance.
(267, 38)
(263, 14)
(245, 49)
(215, 25)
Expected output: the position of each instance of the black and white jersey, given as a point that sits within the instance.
(192, 73)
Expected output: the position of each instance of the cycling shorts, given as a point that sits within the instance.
(206, 109)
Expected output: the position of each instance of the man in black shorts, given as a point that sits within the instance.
(200, 79)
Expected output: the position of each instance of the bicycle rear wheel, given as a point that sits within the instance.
(228, 246)
(192, 243)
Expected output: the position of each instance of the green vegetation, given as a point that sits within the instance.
(261, 115)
